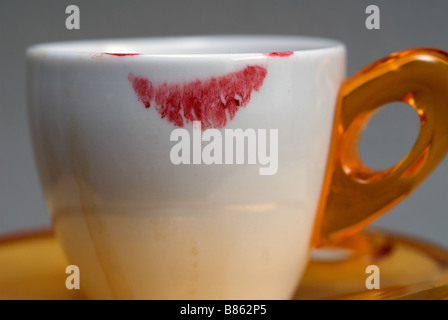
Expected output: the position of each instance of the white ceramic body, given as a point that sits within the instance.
(139, 226)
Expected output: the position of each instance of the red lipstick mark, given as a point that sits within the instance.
(121, 54)
(213, 101)
(278, 54)
(101, 55)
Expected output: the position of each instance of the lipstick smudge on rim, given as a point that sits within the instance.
(279, 54)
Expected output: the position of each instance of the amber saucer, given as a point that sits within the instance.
(32, 266)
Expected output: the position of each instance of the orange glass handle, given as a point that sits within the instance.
(355, 195)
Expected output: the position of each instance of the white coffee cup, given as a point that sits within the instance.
(112, 122)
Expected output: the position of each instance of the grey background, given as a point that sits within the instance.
(404, 24)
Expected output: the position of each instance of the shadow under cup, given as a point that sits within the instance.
(185, 168)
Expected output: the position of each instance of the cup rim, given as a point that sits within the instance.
(188, 46)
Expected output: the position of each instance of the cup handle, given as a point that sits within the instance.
(354, 195)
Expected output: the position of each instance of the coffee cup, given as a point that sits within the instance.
(207, 167)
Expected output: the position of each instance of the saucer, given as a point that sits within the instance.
(32, 266)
